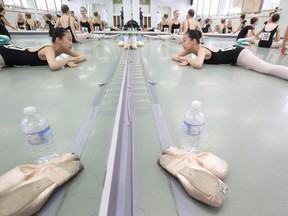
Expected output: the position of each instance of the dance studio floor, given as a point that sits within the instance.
(246, 124)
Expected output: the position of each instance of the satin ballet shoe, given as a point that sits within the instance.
(133, 44)
(126, 46)
(127, 42)
(207, 160)
(140, 44)
(22, 173)
(28, 197)
(121, 44)
(198, 182)
(214, 164)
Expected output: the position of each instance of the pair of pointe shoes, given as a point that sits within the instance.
(200, 174)
(25, 189)
(132, 45)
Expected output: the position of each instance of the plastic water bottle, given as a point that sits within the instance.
(38, 135)
(193, 125)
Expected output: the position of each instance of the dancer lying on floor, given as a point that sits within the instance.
(230, 55)
(43, 55)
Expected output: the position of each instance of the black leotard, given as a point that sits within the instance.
(205, 28)
(165, 27)
(229, 29)
(175, 26)
(29, 27)
(97, 25)
(86, 25)
(243, 32)
(21, 25)
(228, 55)
(13, 55)
(267, 38)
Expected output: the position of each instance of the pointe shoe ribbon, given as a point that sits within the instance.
(207, 160)
(36, 184)
(198, 182)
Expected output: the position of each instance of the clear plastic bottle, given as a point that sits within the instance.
(38, 135)
(193, 125)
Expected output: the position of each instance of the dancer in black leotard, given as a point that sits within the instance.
(242, 23)
(20, 22)
(29, 22)
(206, 27)
(66, 21)
(3, 23)
(176, 27)
(190, 23)
(247, 35)
(97, 22)
(268, 32)
(165, 24)
(49, 23)
(232, 55)
(43, 55)
(85, 24)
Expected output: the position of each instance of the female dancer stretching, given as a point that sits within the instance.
(43, 55)
(231, 55)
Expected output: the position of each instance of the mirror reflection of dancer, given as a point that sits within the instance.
(43, 55)
(235, 55)
(4, 23)
(122, 17)
(141, 17)
(67, 21)
(191, 24)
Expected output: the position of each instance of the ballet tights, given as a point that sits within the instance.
(247, 59)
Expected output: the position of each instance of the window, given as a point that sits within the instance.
(214, 7)
(224, 7)
(51, 5)
(41, 5)
(206, 8)
(199, 10)
(58, 5)
(26, 4)
(270, 4)
(13, 2)
(235, 6)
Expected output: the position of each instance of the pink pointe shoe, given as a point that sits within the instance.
(26, 188)
(207, 160)
(198, 182)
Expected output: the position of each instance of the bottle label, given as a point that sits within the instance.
(194, 130)
(39, 137)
